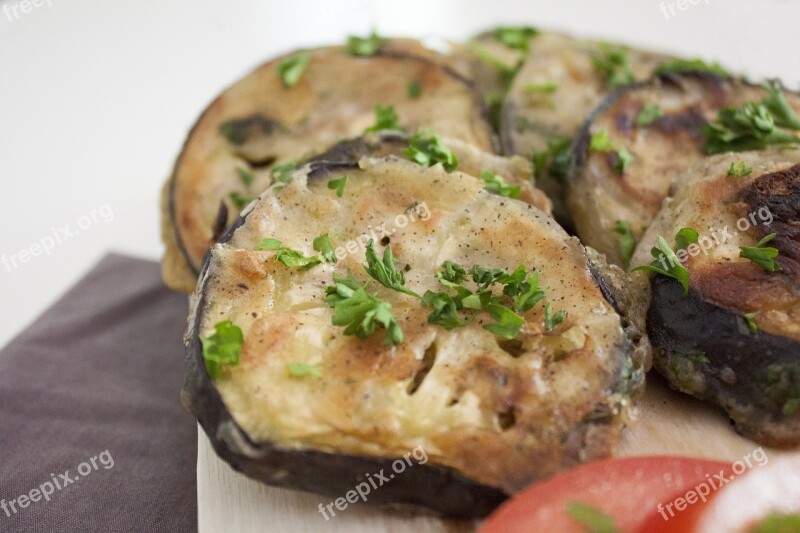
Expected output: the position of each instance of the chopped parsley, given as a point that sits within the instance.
(517, 38)
(497, 185)
(648, 114)
(385, 119)
(506, 73)
(414, 89)
(624, 159)
(680, 66)
(427, 149)
(291, 68)
(612, 64)
(739, 169)
(246, 176)
(301, 370)
(240, 200)
(592, 518)
(296, 259)
(751, 321)
(555, 161)
(385, 272)
(666, 262)
(283, 172)
(601, 143)
(764, 256)
(359, 311)
(552, 321)
(626, 240)
(507, 322)
(754, 125)
(224, 347)
(322, 244)
(547, 88)
(365, 46)
(338, 185)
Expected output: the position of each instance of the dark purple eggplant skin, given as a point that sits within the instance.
(750, 375)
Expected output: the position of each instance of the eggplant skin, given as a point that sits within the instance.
(707, 351)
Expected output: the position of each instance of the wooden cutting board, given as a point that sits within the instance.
(668, 423)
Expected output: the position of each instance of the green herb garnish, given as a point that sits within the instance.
(224, 347)
(739, 169)
(360, 312)
(385, 119)
(246, 176)
(648, 114)
(540, 88)
(240, 200)
(291, 68)
(385, 272)
(551, 321)
(507, 322)
(624, 159)
(667, 263)
(517, 38)
(283, 172)
(600, 142)
(595, 520)
(365, 46)
(751, 321)
(296, 259)
(612, 64)
(427, 149)
(322, 244)
(764, 256)
(626, 240)
(300, 370)
(680, 66)
(414, 89)
(555, 160)
(338, 185)
(497, 185)
(776, 103)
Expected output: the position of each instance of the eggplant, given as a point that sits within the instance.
(562, 79)
(491, 413)
(604, 192)
(259, 128)
(734, 338)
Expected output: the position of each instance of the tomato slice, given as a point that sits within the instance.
(628, 490)
(768, 490)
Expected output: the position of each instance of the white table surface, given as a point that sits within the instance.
(96, 97)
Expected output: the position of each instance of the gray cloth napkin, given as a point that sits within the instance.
(91, 393)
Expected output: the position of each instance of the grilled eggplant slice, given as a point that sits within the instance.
(604, 190)
(561, 81)
(491, 414)
(734, 340)
(248, 135)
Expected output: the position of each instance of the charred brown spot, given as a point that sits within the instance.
(238, 131)
(688, 122)
(780, 193)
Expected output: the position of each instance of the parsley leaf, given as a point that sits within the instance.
(322, 244)
(552, 321)
(667, 263)
(751, 321)
(764, 256)
(506, 73)
(291, 68)
(240, 200)
(600, 142)
(365, 46)
(624, 159)
(497, 185)
(507, 322)
(283, 172)
(776, 103)
(626, 240)
(384, 272)
(749, 127)
(445, 310)
(245, 175)
(648, 114)
(289, 257)
(224, 347)
(523, 289)
(359, 311)
(547, 88)
(595, 520)
(680, 66)
(414, 89)
(611, 63)
(555, 160)
(338, 185)
(517, 38)
(427, 149)
(739, 169)
(385, 119)
(300, 370)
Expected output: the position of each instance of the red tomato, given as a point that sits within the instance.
(627, 489)
(768, 488)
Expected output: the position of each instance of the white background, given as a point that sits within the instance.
(96, 96)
